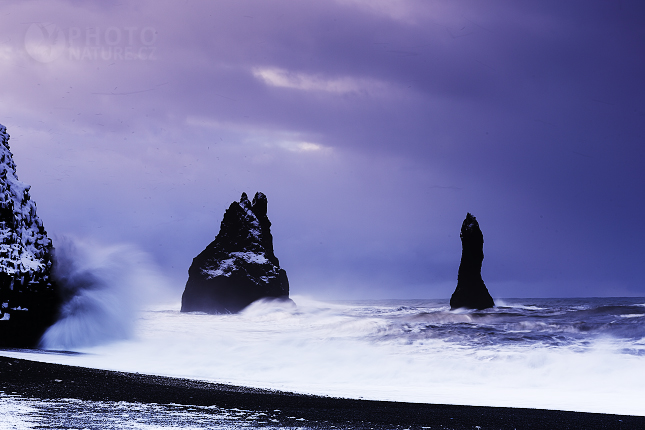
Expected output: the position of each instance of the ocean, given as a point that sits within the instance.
(584, 354)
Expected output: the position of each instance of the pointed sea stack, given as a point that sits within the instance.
(239, 266)
(29, 299)
(471, 292)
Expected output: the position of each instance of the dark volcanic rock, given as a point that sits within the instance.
(239, 266)
(28, 298)
(471, 292)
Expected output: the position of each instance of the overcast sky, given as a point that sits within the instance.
(373, 127)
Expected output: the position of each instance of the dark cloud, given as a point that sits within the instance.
(373, 127)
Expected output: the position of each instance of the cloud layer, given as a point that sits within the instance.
(373, 127)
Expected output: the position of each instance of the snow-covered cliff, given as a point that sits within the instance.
(28, 298)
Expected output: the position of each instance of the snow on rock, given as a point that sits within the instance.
(28, 296)
(239, 266)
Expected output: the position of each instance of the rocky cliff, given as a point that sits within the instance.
(28, 297)
(471, 292)
(239, 266)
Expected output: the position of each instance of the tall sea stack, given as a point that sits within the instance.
(239, 266)
(471, 292)
(29, 299)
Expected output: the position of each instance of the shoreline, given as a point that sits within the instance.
(33, 379)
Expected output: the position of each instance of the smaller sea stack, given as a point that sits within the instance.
(471, 292)
(239, 266)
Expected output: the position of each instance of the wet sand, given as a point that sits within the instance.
(52, 381)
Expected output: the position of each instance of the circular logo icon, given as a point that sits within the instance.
(44, 42)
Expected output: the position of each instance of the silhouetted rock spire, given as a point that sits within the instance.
(239, 266)
(471, 292)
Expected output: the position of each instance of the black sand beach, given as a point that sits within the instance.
(51, 381)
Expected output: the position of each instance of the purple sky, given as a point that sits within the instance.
(372, 126)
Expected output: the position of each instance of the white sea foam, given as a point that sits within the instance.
(18, 413)
(508, 304)
(342, 350)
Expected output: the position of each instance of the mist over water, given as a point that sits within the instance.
(571, 354)
(104, 288)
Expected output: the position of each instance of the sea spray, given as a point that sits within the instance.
(570, 354)
(103, 288)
